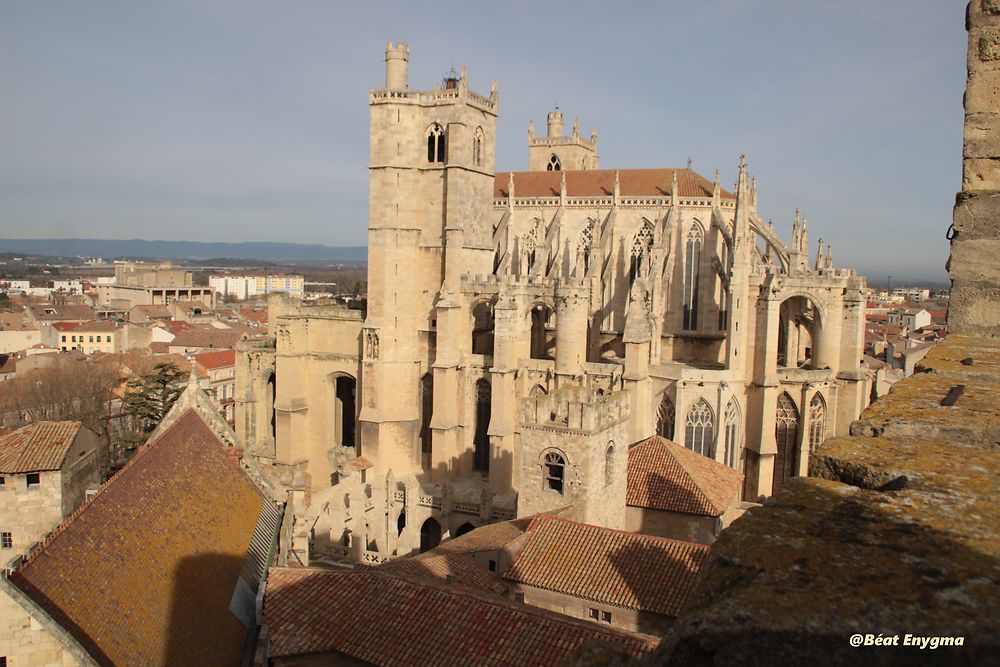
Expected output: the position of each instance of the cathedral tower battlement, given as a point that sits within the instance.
(575, 409)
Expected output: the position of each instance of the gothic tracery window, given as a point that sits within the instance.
(665, 418)
(586, 242)
(732, 433)
(435, 144)
(699, 431)
(817, 422)
(554, 471)
(692, 276)
(554, 164)
(786, 435)
(640, 250)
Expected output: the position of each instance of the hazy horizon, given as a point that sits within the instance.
(231, 121)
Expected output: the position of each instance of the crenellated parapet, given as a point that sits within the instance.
(575, 409)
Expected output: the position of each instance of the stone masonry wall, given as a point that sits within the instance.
(975, 242)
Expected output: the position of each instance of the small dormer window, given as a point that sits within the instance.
(554, 163)
(435, 144)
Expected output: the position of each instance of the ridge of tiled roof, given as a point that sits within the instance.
(484, 538)
(666, 476)
(616, 567)
(216, 359)
(405, 622)
(37, 447)
(461, 569)
(145, 572)
(600, 183)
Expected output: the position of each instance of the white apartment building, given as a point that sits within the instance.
(244, 287)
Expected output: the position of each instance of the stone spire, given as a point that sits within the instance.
(753, 194)
(819, 255)
(804, 240)
(562, 188)
(716, 191)
(742, 197)
(829, 256)
(617, 189)
(795, 233)
(673, 189)
(510, 190)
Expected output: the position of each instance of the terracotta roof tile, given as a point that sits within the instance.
(461, 569)
(490, 537)
(387, 620)
(615, 567)
(65, 311)
(666, 476)
(37, 447)
(600, 183)
(220, 359)
(144, 573)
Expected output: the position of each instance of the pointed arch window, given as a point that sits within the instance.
(426, 408)
(692, 276)
(732, 433)
(554, 471)
(665, 418)
(481, 441)
(477, 148)
(640, 251)
(586, 242)
(817, 422)
(554, 164)
(435, 144)
(699, 431)
(786, 436)
(609, 464)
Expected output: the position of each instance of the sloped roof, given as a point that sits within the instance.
(490, 537)
(614, 567)
(37, 447)
(601, 183)
(207, 337)
(144, 573)
(150, 310)
(62, 311)
(17, 321)
(212, 360)
(387, 620)
(460, 568)
(666, 476)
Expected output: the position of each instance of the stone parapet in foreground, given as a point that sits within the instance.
(896, 533)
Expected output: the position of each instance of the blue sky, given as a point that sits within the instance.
(248, 120)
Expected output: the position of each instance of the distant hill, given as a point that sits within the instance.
(139, 248)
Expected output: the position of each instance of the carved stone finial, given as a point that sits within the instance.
(743, 162)
(531, 130)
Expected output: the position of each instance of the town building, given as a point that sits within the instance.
(220, 370)
(46, 470)
(138, 284)
(17, 332)
(245, 287)
(523, 329)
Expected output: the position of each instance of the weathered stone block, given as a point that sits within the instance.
(982, 135)
(977, 215)
(982, 92)
(991, 7)
(974, 260)
(974, 309)
(989, 47)
(981, 174)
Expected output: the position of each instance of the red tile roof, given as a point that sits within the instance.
(66, 326)
(614, 567)
(213, 360)
(601, 183)
(490, 537)
(666, 476)
(37, 447)
(144, 573)
(387, 620)
(458, 569)
(208, 338)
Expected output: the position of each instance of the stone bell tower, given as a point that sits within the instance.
(555, 152)
(430, 194)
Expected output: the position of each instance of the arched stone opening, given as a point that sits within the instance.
(543, 337)
(344, 409)
(271, 397)
(400, 523)
(430, 534)
(483, 328)
(799, 332)
(426, 411)
(464, 528)
(665, 418)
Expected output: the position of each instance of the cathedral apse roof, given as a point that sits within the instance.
(601, 183)
(666, 476)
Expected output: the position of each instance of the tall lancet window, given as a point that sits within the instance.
(817, 422)
(640, 251)
(732, 433)
(477, 148)
(692, 276)
(426, 409)
(699, 430)
(786, 436)
(665, 418)
(435, 144)
(481, 460)
(723, 290)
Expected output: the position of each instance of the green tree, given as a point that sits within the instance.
(148, 399)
